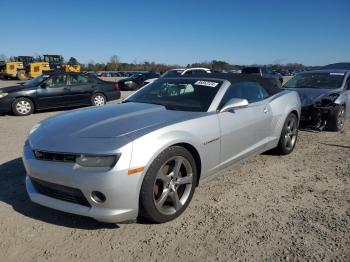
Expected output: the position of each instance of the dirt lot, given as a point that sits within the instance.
(272, 208)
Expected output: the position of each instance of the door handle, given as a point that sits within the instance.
(266, 110)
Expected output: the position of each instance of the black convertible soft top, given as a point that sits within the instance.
(271, 85)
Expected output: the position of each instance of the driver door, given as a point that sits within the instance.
(54, 93)
(244, 131)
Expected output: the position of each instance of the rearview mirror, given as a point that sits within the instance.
(234, 103)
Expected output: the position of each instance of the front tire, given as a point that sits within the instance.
(98, 99)
(289, 135)
(168, 185)
(336, 119)
(22, 107)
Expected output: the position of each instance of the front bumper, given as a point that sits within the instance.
(121, 190)
(315, 116)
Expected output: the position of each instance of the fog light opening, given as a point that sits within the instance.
(98, 197)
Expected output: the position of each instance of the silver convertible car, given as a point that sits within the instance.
(145, 157)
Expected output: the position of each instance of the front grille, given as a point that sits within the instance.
(64, 193)
(50, 156)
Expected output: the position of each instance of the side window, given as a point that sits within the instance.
(252, 91)
(77, 80)
(56, 81)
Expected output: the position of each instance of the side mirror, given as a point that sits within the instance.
(234, 103)
(43, 85)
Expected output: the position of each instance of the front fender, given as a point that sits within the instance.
(342, 99)
(147, 148)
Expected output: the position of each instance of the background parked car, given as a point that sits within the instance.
(136, 81)
(263, 71)
(56, 90)
(325, 97)
(181, 71)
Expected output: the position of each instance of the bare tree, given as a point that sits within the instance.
(114, 62)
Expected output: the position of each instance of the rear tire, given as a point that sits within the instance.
(22, 107)
(168, 185)
(289, 135)
(98, 99)
(336, 119)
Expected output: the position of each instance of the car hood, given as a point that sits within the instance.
(11, 89)
(309, 96)
(112, 121)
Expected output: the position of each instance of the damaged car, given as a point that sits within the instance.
(325, 98)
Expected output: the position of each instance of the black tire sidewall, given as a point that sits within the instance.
(97, 94)
(148, 209)
(14, 103)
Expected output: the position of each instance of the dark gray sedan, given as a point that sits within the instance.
(325, 97)
(55, 90)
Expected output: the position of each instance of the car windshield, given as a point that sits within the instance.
(172, 73)
(179, 94)
(36, 81)
(316, 80)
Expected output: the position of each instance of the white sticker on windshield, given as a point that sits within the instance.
(206, 83)
(336, 74)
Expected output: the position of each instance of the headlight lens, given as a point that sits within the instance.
(3, 95)
(327, 100)
(97, 161)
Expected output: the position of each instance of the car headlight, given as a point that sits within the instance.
(97, 161)
(34, 128)
(327, 100)
(3, 95)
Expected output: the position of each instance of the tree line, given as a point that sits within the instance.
(115, 64)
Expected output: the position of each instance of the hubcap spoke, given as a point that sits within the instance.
(177, 167)
(176, 201)
(288, 141)
(184, 180)
(163, 177)
(160, 202)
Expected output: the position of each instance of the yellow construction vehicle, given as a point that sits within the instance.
(56, 63)
(11, 68)
(48, 63)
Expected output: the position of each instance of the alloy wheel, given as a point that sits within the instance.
(341, 118)
(291, 134)
(173, 185)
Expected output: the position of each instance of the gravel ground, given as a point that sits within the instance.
(294, 207)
